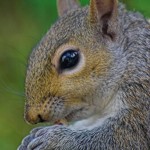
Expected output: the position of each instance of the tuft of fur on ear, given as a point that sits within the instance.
(105, 13)
(66, 5)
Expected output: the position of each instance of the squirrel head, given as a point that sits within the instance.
(68, 66)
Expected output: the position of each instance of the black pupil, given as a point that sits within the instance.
(69, 59)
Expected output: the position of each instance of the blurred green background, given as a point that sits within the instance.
(22, 24)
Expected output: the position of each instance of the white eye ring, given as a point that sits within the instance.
(57, 56)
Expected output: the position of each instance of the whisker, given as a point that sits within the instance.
(6, 88)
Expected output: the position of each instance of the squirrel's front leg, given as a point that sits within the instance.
(56, 137)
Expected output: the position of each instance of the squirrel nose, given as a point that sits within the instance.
(40, 118)
(32, 116)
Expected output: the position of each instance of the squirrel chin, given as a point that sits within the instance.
(67, 119)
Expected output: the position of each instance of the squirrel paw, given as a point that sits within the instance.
(48, 138)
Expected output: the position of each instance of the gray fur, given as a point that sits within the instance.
(129, 78)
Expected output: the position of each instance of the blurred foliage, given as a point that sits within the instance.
(22, 24)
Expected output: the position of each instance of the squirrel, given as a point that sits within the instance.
(92, 69)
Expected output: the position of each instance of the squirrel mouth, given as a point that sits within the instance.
(71, 116)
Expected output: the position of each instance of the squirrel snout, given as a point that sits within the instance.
(33, 116)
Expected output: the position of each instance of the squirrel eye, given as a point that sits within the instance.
(69, 59)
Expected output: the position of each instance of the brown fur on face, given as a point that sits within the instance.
(70, 88)
(75, 90)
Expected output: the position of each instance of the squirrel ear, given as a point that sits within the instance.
(65, 5)
(105, 13)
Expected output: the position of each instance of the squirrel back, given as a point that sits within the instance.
(93, 67)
